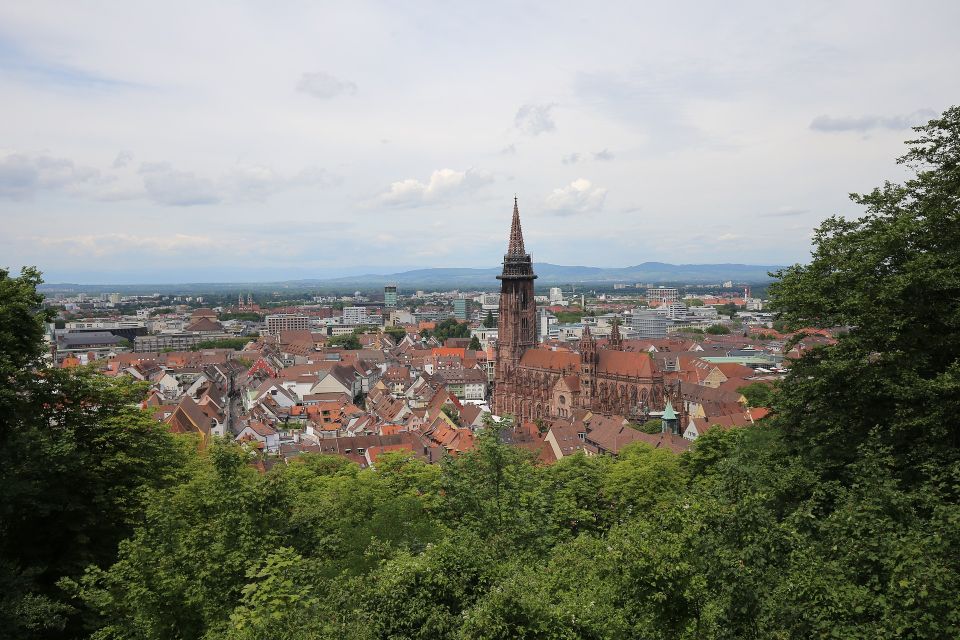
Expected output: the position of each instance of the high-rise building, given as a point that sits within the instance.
(390, 296)
(490, 305)
(460, 308)
(516, 329)
(556, 295)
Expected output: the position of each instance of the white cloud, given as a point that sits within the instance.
(580, 196)
(23, 175)
(257, 183)
(442, 185)
(100, 245)
(123, 159)
(604, 156)
(535, 119)
(831, 124)
(168, 186)
(325, 86)
(572, 158)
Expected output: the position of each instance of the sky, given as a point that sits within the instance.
(243, 141)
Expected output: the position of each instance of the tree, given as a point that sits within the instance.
(450, 328)
(346, 341)
(893, 276)
(717, 330)
(451, 413)
(653, 426)
(397, 333)
(758, 394)
(78, 464)
(489, 322)
(475, 344)
(237, 344)
(728, 309)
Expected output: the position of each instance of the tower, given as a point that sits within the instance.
(616, 341)
(588, 366)
(517, 328)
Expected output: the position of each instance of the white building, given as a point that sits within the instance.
(662, 294)
(650, 324)
(673, 310)
(556, 295)
(545, 322)
(355, 315)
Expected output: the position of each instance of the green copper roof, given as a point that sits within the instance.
(669, 413)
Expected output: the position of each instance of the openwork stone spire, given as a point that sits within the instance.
(516, 233)
(616, 341)
(516, 262)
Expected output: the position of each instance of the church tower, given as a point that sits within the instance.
(517, 329)
(588, 367)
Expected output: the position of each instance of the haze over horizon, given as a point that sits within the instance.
(250, 141)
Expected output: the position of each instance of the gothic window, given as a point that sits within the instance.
(563, 400)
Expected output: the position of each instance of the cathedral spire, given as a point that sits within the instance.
(616, 341)
(516, 233)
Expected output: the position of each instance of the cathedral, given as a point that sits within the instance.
(533, 382)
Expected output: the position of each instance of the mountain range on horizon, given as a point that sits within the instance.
(476, 278)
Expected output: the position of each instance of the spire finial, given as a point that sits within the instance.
(516, 233)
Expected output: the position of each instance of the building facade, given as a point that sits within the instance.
(390, 296)
(533, 383)
(650, 324)
(286, 322)
(662, 294)
(460, 308)
(355, 316)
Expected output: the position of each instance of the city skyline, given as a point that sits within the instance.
(247, 143)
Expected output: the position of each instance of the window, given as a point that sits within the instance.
(361, 451)
(563, 400)
(582, 436)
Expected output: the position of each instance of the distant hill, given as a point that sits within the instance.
(652, 272)
(548, 274)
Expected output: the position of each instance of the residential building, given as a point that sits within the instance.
(286, 322)
(355, 316)
(178, 341)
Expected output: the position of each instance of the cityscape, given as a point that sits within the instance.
(479, 321)
(416, 371)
